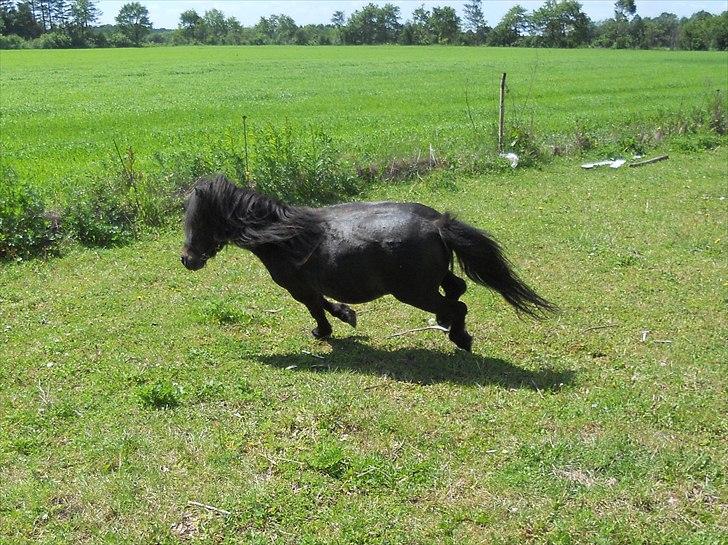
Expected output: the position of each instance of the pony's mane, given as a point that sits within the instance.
(251, 220)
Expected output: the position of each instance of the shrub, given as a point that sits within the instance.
(12, 41)
(584, 139)
(97, 39)
(101, 214)
(120, 40)
(523, 143)
(52, 40)
(303, 168)
(151, 200)
(26, 228)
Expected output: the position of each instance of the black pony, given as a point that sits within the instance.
(354, 253)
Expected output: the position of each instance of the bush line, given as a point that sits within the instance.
(299, 165)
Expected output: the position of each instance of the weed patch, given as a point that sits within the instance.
(160, 394)
(101, 214)
(223, 312)
(300, 166)
(401, 169)
(26, 227)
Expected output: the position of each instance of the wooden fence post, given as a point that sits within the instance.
(501, 112)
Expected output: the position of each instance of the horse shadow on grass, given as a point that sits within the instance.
(421, 366)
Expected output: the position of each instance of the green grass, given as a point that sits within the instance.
(61, 111)
(131, 386)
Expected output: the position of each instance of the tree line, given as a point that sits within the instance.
(557, 23)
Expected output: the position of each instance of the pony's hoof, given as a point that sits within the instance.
(320, 333)
(463, 341)
(348, 316)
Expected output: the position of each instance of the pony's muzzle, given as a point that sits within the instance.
(193, 264)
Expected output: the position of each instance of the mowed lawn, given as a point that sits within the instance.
(131, 387)
(62, 111)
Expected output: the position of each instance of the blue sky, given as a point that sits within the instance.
(165, 13)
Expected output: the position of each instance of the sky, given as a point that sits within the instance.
(165, 13)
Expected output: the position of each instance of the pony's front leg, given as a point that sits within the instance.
(315, 305)
(323, 327)
(341, 311)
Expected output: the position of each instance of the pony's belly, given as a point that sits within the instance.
(354, 296)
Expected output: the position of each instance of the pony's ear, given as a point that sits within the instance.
(198, 191)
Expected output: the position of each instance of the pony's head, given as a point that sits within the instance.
(204, 234)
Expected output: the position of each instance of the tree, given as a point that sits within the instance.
(285, 30)
(40, 13)
(387, 24)
(720, 32)
(475, 20)
(215, 26)
(445, 24)
(83, 13)
(511, 28)
(372, 25)
(637, 31)
(561, 24)
(620, 32)
(133, 22)
(7, 14)
(278, 29)
(50, 13)
(361, 28)
(419, 31)
(234, 34)
(192, 27)
(624, 8)
(337, 19)
(60, 11)
(696, 33)
(265, 30)
(662, 31)
(614, 33)
(21, 21)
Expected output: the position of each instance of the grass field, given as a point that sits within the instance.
(131, 386)
(61, 111)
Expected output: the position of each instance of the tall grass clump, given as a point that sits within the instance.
(101, 214)
(26, 227)
(112, 209)
(301, 166)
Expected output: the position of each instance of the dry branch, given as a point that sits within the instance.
(648, 161)
(399, 334)
(209, 507)
(593, 328)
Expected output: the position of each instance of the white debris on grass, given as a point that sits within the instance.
(512, 157)
(611, 163)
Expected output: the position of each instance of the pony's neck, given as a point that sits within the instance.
(253, 208)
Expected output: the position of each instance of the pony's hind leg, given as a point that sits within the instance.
(341, 311)
(445, 310)
(454, 287)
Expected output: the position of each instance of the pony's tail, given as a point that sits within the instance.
(483, 261)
